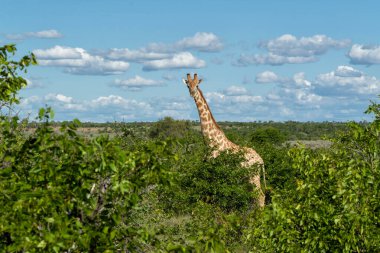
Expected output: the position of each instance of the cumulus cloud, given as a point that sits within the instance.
(235, 91)
(347, 71)
(341, 94)
(298, 79)
(179, 60)
(136, 83)
(45, 34)
(305, 97)
(271, 59)
(226, 106)
(139, 55)
(118, 101)
(201, 41)
(60, 52)
(296, 90)
(365, 55)
(291, 46)
(155, 56)
(267, 77)
(78, 61)
(58, 97)
(61, 102)
(108, 108)
(347, 80)
(234, 100)
(288, 49)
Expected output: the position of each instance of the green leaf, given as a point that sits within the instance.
(41, 244)
(50, 220)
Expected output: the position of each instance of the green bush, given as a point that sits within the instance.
(168, 127)
(333, 205)
(60, 192)
(221, 182)
(268, 135)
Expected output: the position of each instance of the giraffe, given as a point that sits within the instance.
(217, 140)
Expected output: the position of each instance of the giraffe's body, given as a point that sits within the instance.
(217, 140)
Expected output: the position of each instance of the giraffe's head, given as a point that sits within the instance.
(192, 84)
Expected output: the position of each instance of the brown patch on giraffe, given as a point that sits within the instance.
(215, 137)
(208, 109)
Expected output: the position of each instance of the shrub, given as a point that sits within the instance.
(333, 205)
(221, 182)
(60, 192)
(169, 127)
(268, 135)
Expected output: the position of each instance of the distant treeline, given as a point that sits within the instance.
(289, 130)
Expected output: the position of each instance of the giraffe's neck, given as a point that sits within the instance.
(212, 133)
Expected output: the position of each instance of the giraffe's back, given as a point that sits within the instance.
(252, 157)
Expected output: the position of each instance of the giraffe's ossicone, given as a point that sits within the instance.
(217, 140)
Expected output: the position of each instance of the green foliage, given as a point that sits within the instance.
(279, 173)
(221, 182)
(268, 135)
(169, 127)
(10, 81)
(60, 192)
(333, 205)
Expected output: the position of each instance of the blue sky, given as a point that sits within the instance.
(260, 60)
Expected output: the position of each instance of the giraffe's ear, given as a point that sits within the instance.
(184, 81)
(200, 80)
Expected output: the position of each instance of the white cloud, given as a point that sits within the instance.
(366, 55)
(300, 80)
(327, 95)
(347, 71)
(288, 49)
(235, 91)
(118, 101)
(165, 53)
(59, 102)
(179, 60)
(246, 99)
(58, 97)
(135, 55)
(201, 41)
(306, 97)
(289, 45)
(136, 83)
(45, 34)
(267, 77)
(156, 56)
(108, 108)
(234, 100)
(347, 80)
(272, 59)
(59, 52)
(79, 61)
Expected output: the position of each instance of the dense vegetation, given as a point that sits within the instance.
(151, 187)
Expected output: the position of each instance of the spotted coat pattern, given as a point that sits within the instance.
(217, 140)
